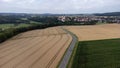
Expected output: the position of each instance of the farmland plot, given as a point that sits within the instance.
(95, 32)
(99, 46)
(35, 49)
(97, 54)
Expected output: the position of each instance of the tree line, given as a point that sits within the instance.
(46, 22)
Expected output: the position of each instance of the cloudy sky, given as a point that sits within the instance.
(59, 6)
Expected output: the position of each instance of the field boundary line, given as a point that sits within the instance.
(67, 56)
(69, 65)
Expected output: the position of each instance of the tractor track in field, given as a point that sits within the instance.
(52, 60)
(35, 49)
(14, 46)
(19, 54)
(32, 39)
(33, 52)
(42, 54)
(18, 49)
(8, 45)
(48, 49)
(46, 52)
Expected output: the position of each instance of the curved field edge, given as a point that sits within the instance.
(97, 54)
(64, 53)
(62, 57)
(69, 64)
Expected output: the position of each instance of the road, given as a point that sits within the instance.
(65, 59)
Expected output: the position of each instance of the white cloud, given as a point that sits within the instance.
(61, 6)
(7, 0)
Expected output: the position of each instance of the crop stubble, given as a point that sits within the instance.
(35, 49)
(95, 32)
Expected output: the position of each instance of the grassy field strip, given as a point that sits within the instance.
(65, 59)
(59, 53)
(70, 63)
(5, 26)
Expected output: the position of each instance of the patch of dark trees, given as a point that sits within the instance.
(12, 19)
(54, 20)
(46, 22)
(108, 14)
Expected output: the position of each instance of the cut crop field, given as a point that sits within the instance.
(98, 46)
(35, 49)
(97, 54)
(95, 32)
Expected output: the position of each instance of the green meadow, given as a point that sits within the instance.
(97, 54)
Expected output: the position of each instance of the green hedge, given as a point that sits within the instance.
(8, 33)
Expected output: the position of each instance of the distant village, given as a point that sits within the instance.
(99, 19)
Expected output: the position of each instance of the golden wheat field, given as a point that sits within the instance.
(95, 32)
(44, 48)
(35, 49)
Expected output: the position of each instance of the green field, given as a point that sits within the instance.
(22, 25)
(98, 54)
(5, 26)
